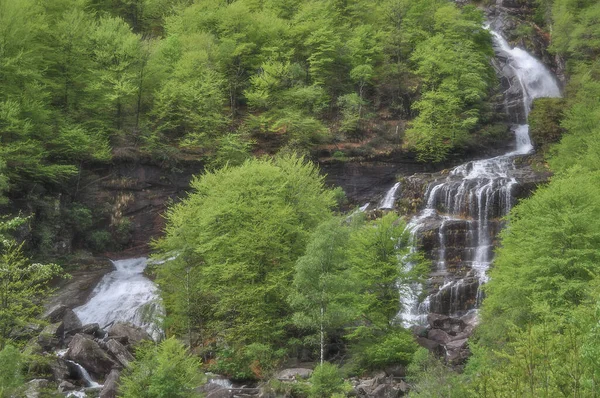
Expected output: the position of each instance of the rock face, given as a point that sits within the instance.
(111, 385)
(133, 334)
(88, 354)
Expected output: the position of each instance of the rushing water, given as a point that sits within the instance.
(474, 195)
(124, 294)
(388, 200)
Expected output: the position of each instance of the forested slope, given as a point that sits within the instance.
(87, 83)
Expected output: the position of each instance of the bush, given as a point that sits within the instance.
(164, 370)
(327, 381)
(253, 362)
(11, 377)
(544, 121)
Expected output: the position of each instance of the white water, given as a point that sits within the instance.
(124, 295)
(388, 200)
(476, 192)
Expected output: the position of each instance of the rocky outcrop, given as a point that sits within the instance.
(131, 333)
(88, 354)
(447, 337)
(111, 386)
(381, 385)
(78, 356)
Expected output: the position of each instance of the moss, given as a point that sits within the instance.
(544, 122)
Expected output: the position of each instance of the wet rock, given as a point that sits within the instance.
(438, 335)
(90, 329)
(59, 369)
(65, 386)
(119, 351)
(133, 333)
(420, 331)
(111, 385)
(71, 322)
(220, 393)
(88, 354)
(294, 374)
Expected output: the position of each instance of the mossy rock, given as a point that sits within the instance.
(544, 122)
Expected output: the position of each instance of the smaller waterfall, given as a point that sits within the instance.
(124, 295)
(388, 200)
(85, 376)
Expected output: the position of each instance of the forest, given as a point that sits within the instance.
(261, 262)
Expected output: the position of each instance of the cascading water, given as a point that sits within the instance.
(388, 200)
(124, 294)
(474, 196)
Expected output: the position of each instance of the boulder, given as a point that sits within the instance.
(431, 345)
(65, 386)
(51, 336)
(71, 321)
(111, 385)
(55, 314)
(59, 369)
(384, 391)
(294, 374)
(438, 335)
(133, 333)
(220, 393)
(396, 371)
(34, 388)
(119, 351)
(457, 344)
(88, 354)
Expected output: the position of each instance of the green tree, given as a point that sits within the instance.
(22, 285)
(239, 234)
(323, 291)
(163, 370)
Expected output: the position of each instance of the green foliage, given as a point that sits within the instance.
(164, 370)
(544, 121)
(254, 361)
(323, 289)
(453, 66)
(327, 381)
(22, 285)
(429, 377)
(11, 376)
(250, 224)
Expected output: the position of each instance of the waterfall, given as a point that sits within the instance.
(473, 197)
(124, 294)
(388, 200)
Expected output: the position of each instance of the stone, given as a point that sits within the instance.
(396, 371)
(65, 386)
(294, 374)
(55, 313)
(110, 388)
(119, 351)
(438, 335)
(457, 344)
(50, 337)
(59, 369)
(220, 393)
(71, 321)
(384, 391)
(403, 388)
(133, 333)
(90, 328)
(88, 354)
(431, 345)
(420, 331)
(34, 388)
